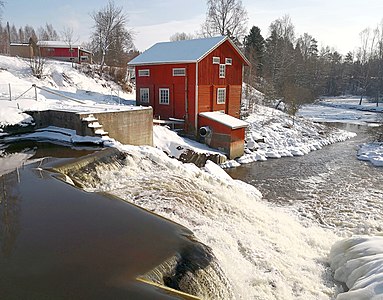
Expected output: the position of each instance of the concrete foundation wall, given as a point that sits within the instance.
(134, 127)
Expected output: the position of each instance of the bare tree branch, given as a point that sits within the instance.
(225, 17)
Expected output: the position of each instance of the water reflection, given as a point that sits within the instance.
(9, 213)
(59, 242)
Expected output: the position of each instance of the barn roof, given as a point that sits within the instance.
(186, 51)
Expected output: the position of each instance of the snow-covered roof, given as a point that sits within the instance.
(60, 44)
(224, 119)
(186, 51)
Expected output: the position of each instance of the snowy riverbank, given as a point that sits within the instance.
(271, 134)
(264, 250)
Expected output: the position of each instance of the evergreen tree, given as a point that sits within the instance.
(254, 46)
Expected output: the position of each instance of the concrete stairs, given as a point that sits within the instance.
(93, 127)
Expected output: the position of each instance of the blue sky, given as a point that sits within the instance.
(336, 23)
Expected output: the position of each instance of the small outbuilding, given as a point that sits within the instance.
(63, 51)
(223, 132)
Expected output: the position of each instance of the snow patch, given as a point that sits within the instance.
(372, 152)
(358, 262)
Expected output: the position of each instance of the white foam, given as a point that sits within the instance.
(265, 252)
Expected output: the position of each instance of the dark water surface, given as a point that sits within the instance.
(59, 242)
(330, 186)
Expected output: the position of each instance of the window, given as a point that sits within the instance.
(228, 61)
(222, 71)
(179, 72)
(143, 73)
(216, 60)
(164, 96)
(144, 95)
(221, 95)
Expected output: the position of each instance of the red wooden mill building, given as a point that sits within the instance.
(186, 79)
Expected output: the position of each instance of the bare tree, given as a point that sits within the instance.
(369, 40)
(181, 36)
(48, 33)
(68, 37)
(37, 65)
(110, 35)
(225, 17)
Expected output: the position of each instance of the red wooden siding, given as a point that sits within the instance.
(184, 87)
(58, 52)
(231, 141)
(209, 81)
(209, 72)
(233, 105)
(180, 88)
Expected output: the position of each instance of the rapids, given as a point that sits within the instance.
(261, 251)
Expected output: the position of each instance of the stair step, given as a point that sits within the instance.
(89, 118)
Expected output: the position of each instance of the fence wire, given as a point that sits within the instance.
(12, 92)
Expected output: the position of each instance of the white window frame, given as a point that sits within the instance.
(228, 61)
(222, 71)
(144, 73)
(164, 96)
(144, 91)
(221, 95)
(179, 72)
(216, 60)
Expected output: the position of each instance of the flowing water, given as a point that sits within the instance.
(258, 249)
(59, 242)
(331, 186)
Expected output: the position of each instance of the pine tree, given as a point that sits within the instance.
(254, 46)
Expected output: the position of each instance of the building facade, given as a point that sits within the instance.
(185, 78)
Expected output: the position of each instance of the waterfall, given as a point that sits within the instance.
(194, 270)
(247, 248)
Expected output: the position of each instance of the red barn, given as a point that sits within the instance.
(185, 78)
(62, 51)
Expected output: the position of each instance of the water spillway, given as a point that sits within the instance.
(192, 269)
(260, 251)
(60, 242)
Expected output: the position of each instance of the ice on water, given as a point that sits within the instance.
(358, 262)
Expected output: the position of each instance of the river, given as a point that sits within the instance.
(59, 242)
(278, 257)
(330, 186)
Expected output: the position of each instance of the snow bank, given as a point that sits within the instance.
(174, 145)
(358, 262)
(372, 152)
(274, 134)
(60, 134)
(59, 77)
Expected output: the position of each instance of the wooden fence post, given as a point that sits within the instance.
(35, 92)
